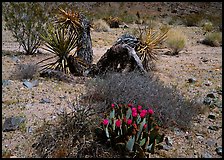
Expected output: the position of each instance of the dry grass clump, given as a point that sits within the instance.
(176, 41)
(213, 39)
(101, 26)
(25, 71)
(207, 26)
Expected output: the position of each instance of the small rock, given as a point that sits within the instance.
(215, 128)
(169, 141)
(29, 129)
(31, 84)
(219, 150)
(208, 83)
(210, 143)
(219, 92)
(211, 116)
(192, 80)
(12, 123)
(200, 137)
(167, 147)
(207, 101)
(211, 95)
(15, 59)
(6, 82)
(45, 100)
(178, 132)
(206, 155)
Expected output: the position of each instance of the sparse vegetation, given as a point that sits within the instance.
(25, 71)
(207, 26)
(26, 20)
(170, 107)
(213, 39)
(101, 26)
(176, 41)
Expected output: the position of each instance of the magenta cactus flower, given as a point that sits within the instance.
(145, 125)
(134, 114)
(129, 121)
(112, 105)
(118, 123)
(139, 108)
(105, 122)
(130, 105)
(143, 113)
(150, 111)
(134, 109)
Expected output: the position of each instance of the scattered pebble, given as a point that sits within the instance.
(207, 101)
(12, 123)
(31, 84)
(206, 155)
(45, 100)
(211, 95)
(6, 82)
(208, 83)
(219, 150)
(169, 141)
(215, 128)
(192, 80)
(211, 116)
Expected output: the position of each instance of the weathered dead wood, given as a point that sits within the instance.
(119, 58)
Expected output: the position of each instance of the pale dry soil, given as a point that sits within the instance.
(17, 100)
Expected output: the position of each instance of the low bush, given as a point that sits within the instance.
(207, 26)
(169, 105)
(213, 39)
(25, 71)
(101, 26)
(192, 19)
(176, 41)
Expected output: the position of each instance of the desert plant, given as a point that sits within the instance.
(193, 19)
(113, 21)
(150, 40)
(213, 39)
(100, 25)
(131, 129)
(60, 41)
(25, 71)
(169, 105)
(207, 26)
(68, 135)
(176, 41)
(25, 20)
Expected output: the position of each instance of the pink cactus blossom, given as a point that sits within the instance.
(130, 105)
(150, 111)
(112, 105)
(129, 121)
(105, 122)
(118, 123)
(135, 125)
(139, 108)
(134, 114)
(145, 125)
(143, 113)
(134, 109)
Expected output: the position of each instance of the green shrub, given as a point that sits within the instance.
(169, 105)
(176, 41)
(213, 39)
(25, 20)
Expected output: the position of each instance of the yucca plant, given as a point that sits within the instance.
(62, 38)
(150, 40)
(60, 41)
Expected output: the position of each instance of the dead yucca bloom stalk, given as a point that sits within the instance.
(148, 44)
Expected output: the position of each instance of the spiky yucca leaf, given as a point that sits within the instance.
(60, 41)
(147, 46)
(71, 18)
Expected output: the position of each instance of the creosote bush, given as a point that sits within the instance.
(213, 39)
(170, 107)
(25, 71)
(176, 41)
